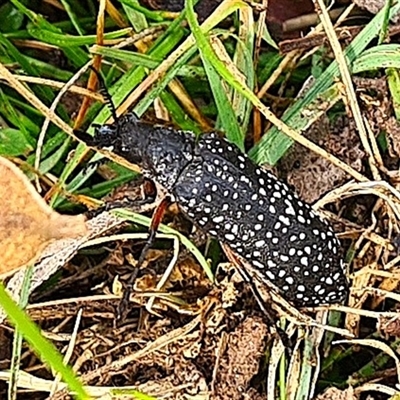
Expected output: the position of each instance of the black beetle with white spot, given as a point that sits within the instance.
(276, 235)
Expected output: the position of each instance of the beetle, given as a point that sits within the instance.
(276, 235)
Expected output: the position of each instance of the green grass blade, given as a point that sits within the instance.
(274, 144)
(382, 56)
(63, 40)
(45, 349)
(228, 122)
(18, 338)
(145, 221)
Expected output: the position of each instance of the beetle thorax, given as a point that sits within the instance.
(166, 156)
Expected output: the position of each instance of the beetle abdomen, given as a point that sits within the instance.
(263, 221)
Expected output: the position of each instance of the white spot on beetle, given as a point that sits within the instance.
(285, 220)
(304, 261)
(218, 219)
(229, 236)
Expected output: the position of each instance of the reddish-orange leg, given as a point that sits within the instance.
(155, 223)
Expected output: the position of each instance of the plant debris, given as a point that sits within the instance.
(27, 223)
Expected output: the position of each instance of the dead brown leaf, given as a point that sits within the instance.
(27, 223)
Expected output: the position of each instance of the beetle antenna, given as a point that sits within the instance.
(105, 93)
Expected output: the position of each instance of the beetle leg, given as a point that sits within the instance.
(138, 195)
(155, 223)
(280, 333)
(84, 137)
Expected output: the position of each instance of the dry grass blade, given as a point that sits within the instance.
(151, 347)
(32, 99)
(348, 84)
